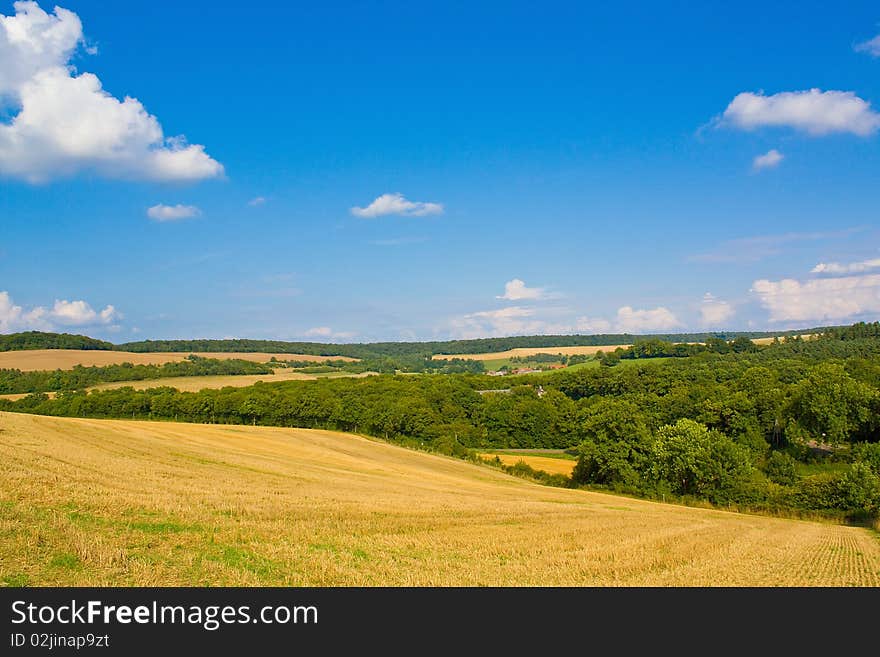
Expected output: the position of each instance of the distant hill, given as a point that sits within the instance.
(476, 346)
(39, 340)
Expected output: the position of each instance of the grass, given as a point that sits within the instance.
(113, 502)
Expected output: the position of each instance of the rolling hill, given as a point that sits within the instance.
(112, 502)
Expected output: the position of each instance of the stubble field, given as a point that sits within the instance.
(111, 502)
(65, 359)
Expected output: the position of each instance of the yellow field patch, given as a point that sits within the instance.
(66, 359)
(551, 465)
(196, 383)
(110, 502)
(531, 351)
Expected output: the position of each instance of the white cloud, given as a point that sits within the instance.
(592, 325)
(768, 160)
(819, 299)
(516, 290)
(397, 204)
(639, 321)
(63, 314)
(177, 212)
(66, 123)
(871, 46)
(79, 313)
(714, 312)
(259, 200)
(815, 112)
(851, 268)
(514, 320)
(327, 332)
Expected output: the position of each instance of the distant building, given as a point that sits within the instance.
(494, 373)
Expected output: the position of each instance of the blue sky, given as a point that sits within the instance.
(386, 171)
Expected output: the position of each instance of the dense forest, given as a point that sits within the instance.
(793, 425)
(16, 381)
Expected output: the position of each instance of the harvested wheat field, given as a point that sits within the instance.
(196, 383)
(66, 359)
(531, 351)
(112, 502)
(545, 463)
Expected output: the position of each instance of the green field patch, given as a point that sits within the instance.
(242, 559)
(15, 579)
(66, 561)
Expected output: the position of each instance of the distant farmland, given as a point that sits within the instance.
(531, 351)
(522, 352)
(112, 502)
(66, 359)
(196, 383)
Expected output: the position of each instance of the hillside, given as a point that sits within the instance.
(101, 502)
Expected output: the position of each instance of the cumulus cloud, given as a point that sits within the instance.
(714, 312)
(833, 268)
(516, 290)
(871, 46)
(397, 204)
(63, 314)
(79, 313)
(639, 321)
(768, 160)
(65, 122)
(177, 212)
(819, 299)
(814, 111)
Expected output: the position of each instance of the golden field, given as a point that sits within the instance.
(66, 359)
(110, 502)
(545, 463)
(531, 351)
(196, 383)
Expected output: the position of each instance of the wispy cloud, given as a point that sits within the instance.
(768, 160)
(752, 249)
(396, 204)
(832, 268)
(871, 46)
(177, 212)
(398, 241)
(327, 333)
(257, 201)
